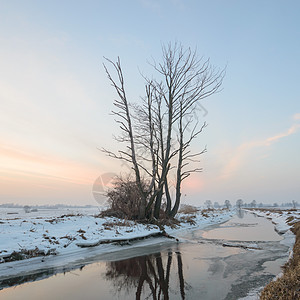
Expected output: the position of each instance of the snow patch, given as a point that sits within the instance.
(61, 232)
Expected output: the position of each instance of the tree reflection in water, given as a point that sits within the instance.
(240, 213)
(147, 272)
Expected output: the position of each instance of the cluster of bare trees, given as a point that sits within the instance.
(216, 204)
(158, 132)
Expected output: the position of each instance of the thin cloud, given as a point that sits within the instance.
(35, 165)
(277, 137)
(240, 154)
(238, 158)
(15, 175)
(296, 116)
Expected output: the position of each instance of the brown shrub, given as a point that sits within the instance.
(124, 199)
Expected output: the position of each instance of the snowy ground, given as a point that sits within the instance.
(61, 231)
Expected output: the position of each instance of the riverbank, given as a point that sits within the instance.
(245, 251)
(287, 284)
(53, 240)
(202, 262)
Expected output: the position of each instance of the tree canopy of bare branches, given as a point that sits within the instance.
(158, 132)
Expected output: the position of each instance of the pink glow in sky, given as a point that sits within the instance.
(56, 99)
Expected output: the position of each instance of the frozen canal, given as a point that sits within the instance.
(222, 262)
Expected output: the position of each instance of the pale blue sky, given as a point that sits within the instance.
(56, 99)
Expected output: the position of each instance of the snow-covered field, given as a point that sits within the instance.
(63, 230)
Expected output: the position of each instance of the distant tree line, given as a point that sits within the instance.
(253, 204)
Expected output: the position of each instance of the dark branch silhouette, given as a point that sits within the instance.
(160, 130)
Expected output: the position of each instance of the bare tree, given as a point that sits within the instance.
(208, 204)
(185, 81)
(227, 204)
(159, 132)
(123, 118)
(216, 205)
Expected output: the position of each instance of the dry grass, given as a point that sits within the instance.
(188, 209)
(290, 220)
(273, 210)
(119, 223)
(205, 212)
(287, 287)
(188, 219)
(25, 254)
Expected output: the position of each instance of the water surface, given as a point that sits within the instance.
(200, 268)
(244, 227)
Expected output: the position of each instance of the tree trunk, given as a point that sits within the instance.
(168, 197)
(179, 168)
